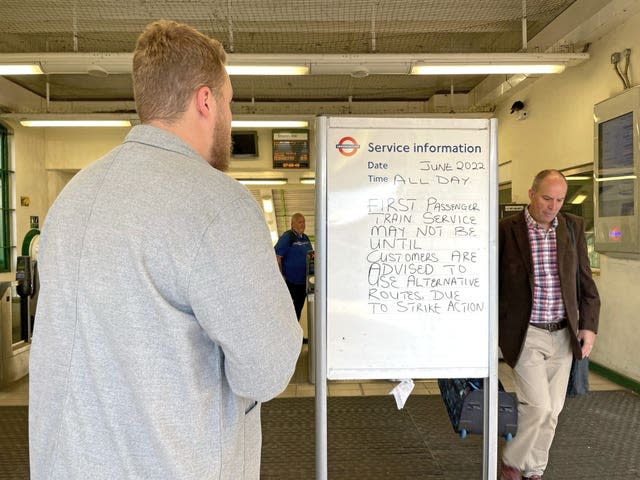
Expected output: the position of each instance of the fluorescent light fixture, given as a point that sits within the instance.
(486, 68)
(269, 124)
(267, 205)
(262, 181)
(357, 65)
(621, 177)
(578, 199)
(75, 123)
(21, 69)
(267, 70)
(308, 181)
(577, 178)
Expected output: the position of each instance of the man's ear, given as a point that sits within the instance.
(205, 103)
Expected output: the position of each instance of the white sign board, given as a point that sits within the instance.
(407, 227)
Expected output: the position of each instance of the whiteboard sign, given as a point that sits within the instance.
(407, 226)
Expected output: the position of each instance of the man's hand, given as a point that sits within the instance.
(587, 338)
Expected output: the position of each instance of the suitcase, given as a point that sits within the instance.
(464, 400)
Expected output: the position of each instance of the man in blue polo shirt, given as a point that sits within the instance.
(291, 252)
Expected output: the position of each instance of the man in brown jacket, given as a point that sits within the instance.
(548, 313)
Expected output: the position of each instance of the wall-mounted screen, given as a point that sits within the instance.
(244, 144)
(615, 145)
(291, 149)
(616, 166)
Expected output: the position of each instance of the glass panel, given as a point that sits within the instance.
(504, 194)
(579, 201)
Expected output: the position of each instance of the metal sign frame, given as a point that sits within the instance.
(490, 435)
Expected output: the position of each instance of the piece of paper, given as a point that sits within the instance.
(402, 391)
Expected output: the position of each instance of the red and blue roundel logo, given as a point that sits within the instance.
(347, 146)
(615, 234)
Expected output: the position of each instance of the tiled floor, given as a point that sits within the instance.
(17, 393)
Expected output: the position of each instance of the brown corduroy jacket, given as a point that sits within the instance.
(516, 283)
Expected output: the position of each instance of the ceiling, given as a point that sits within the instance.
(295, 27)
(352, 31)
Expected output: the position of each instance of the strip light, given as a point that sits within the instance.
(269, 124)
(487, 68)
(267, 70)
(621, 177)
(106, 122)
(21, 69)
(75, 123)
(579, 199)
(262, 181)
(315, 64)
(308, 181)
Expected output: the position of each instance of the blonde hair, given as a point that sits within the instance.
(171, 61)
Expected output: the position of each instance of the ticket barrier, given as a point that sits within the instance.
(25, 289)
(311, 314)
(14, 350)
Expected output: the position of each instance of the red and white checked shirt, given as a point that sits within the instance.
(548, 306)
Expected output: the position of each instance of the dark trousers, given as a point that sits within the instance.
(298, 295)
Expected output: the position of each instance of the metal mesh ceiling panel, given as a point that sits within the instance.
(274, 26)
(278, 27)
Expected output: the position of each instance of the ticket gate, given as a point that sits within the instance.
(311, 314)
(17, 312)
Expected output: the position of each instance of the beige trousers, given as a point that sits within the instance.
(541, 377)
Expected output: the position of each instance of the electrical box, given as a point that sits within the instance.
(616, 159)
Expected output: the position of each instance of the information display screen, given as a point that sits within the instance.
(291, 149)
(616, 145)
(616, 198)
(616, 166)
(244, 144)
(615, 159)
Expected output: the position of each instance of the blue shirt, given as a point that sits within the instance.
(293, 249)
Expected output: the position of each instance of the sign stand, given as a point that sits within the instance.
(407, 217)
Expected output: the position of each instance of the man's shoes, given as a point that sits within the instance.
(532, 477)
(507, 472)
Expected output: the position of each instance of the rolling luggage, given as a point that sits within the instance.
(464, 400)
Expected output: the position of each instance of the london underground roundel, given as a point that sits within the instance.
(347, 146)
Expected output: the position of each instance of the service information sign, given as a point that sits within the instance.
(408, 248)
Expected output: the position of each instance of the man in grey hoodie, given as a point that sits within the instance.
(163, 320)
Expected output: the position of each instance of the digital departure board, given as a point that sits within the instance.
(291, 149)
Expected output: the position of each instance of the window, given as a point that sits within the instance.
(579, 201)
(5, 206)
(504, 193)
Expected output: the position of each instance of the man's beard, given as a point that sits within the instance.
(220, 151)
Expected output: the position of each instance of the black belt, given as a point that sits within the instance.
(551, 327)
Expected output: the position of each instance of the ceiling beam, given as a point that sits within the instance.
(14, 98)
